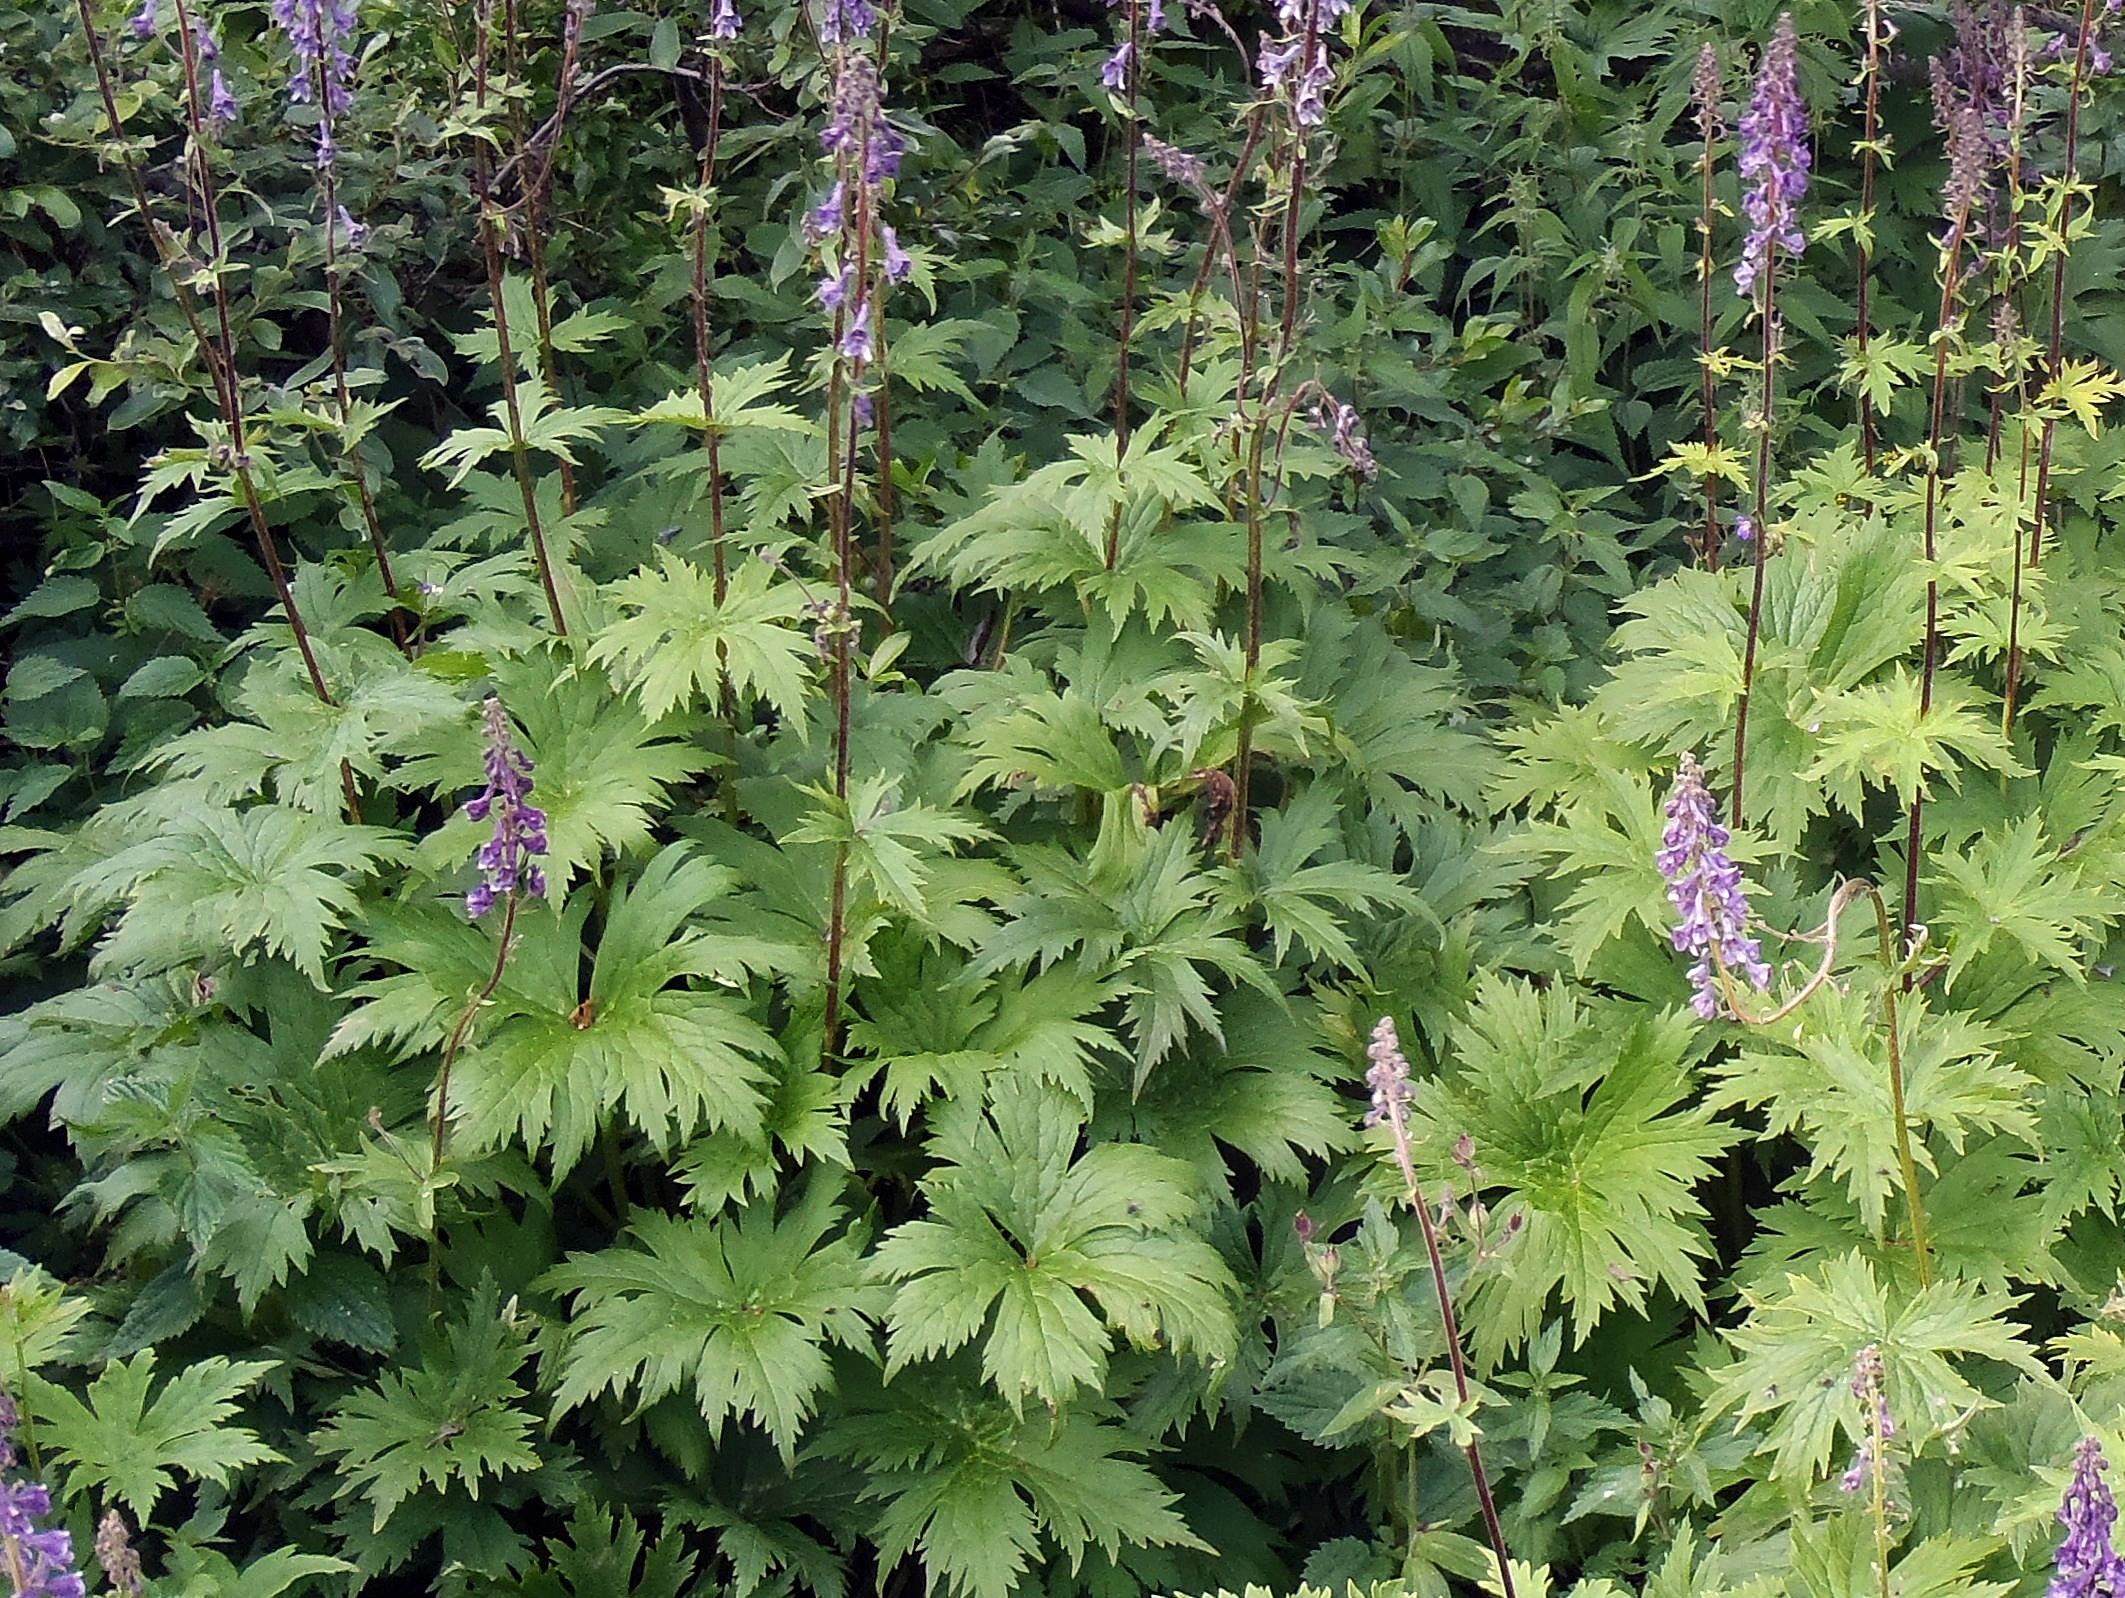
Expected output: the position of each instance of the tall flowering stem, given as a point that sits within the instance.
(508, 870)
(1129, 59)
(39, 1559)
(1879, 33)
(1870, 1467)
(1774, 172)
(491, 247)
(321, 32)
(1969, 159)
(1388, 1077)
(1705, 92)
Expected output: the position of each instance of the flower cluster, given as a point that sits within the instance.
(116, 1553)
(40, 1560)
(1296, 65)
(321, 32)
(221, 102)
(843, 21)
(1389, 1075)
(1340, 423)
(1705, 89)
(1705, 888)
(519, 827)
(1971, 153)
(2088, 1566)
(1869, 1378)
(1774, 159)
(867, 151)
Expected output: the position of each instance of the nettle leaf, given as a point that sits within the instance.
(674, 1058)
(454, 1420)
(1581, 1113)
(737, 1310)
(1829, 1085)
(973, 1489)
(681, 643)
(1796, 1355)
(2012, 884)
(132, 1447)
(1023, 1230)
(217, 882)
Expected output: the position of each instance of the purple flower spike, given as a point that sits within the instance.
(40, 1561)
(1704, 886)
(519, 828)
(2088, 1567)
(1774, 159)
(723, 22)
(1389, 1076)
(322, 32)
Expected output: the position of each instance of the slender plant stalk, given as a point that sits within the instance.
(439, 1118)
(519, 451)
(1133, 147)
(1937, 442)
(1708, 395)
(1450, 1324)
(1763, 511)
(335, 334)
(1893, 958)
(1871, 72)
(538, 169)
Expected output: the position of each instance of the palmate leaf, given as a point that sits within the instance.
(681, 644)
(1796, 1354)
(1879, 734)
(1830, 1086)
(2013, 885)
(134, 1447)
(736, 1310)
(675, 1059)
(1299, 902)
(1578, 1112)
(222, 882)
(1143, 918)
(1025, 1237)
(454, 1420)
(974, 1489)
(551, 428)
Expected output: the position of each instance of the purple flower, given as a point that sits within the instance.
(825, 220)
(355, 234)
(204, 42)
(834, 288)
(1389, 1075)
(116, 1553)
(1774, 159)
(221, 103)
(519, 828)
(2088, 1567)
(1704, 886)
(864, 408)
(143, 21)
(1869, 1378)
(40, 1560)
(723, 22)
(1745, 529)
(898, 263)
(856, 343)
(1115, 74)
(881, 160)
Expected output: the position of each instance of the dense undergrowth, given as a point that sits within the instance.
(725, 726)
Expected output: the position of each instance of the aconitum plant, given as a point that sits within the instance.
(2088, 1566)
(1704, 886)
(322, 32)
